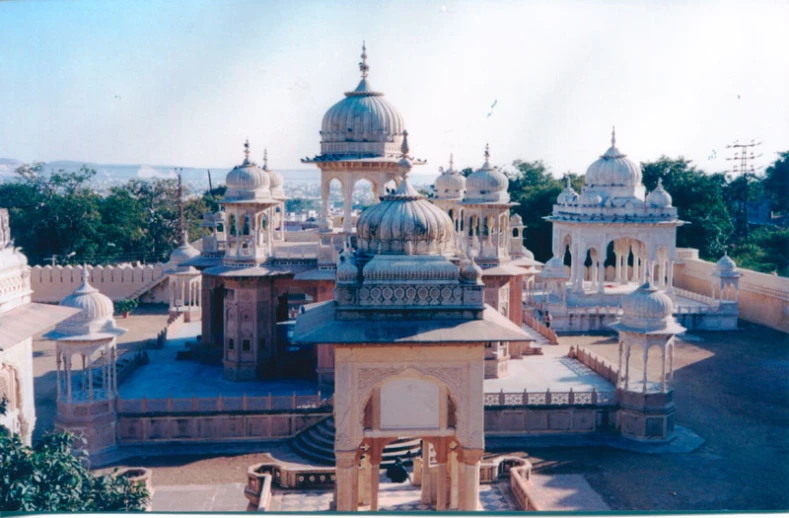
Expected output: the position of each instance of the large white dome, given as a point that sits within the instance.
(613, 169)
(405, 223)
(487, 184)
(364, 124)
(247, 181)
(450, 185)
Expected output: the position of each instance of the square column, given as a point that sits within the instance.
(347, 481)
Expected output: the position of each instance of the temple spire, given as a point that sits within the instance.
(363, 67)
(246, 152)
(451, 162)
(613, 136)
(487, 156)
(265, 159)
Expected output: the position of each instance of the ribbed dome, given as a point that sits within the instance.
(183, 253)
(405, 222)
(247, 181)
(647, 310)
(554, 269)
(726, 267)
(363, 116)
(487, 184)
(613, 169)
(90, 301)
(450, 185)
(568, 196)
(276, 181)
(516, 221)
(95, 314)
(659, 197)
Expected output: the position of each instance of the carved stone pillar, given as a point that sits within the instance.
(469, 491)
(347, 481)
(425, 497)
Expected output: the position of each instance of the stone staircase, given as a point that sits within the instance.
(317, 444)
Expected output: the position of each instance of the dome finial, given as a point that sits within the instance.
(567, 178)
(660, 182)
(451, 162)
(487, 152)
(85, 272)
(246, 151)
(404, 146)
(265, 159)
(613, 136)
(363, 67)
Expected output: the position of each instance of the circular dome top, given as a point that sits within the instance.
(450, 185)
(405, 222)
(554, 269)
(487, 184)
(363, 116)
(95, 314)
(726, 267)
(247, 181)
(276, 181)
(568, 196)
(183, 252)
(659, 197)
(648, 310)
(613, 169)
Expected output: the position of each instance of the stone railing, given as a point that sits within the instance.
(529, 319)
(595, 310)
(222, 405)
(593, 362)
(520, 486)
(697, 297)
(548, 398)
(491, 470)
(262, 476)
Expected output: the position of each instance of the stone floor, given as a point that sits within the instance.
(197, 498)
(392, 497)
(551, 370)
(165, 376)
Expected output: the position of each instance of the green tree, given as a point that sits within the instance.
(700, 203)
(51, 476)
(776, 183)
(535, 189)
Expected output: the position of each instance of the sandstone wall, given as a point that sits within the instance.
(16, 384)
(764, 298)
(52, 283)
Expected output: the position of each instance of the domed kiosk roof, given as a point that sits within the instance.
(402, 219)
(726, 267)
(487, 184)
(247, 182)
(648, 310)
(659, 197)
(95, 319)
(450, 185)
(613, 169)
(364, 124)
(276, 181)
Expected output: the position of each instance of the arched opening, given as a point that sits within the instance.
(364, 194)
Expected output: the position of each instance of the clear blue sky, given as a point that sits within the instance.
(185, 82)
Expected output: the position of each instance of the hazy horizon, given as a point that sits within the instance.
(160, 82)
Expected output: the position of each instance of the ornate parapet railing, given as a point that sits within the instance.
(534, 323)
(223, 405)
(698, 297)
(593, 362)
(548, 398)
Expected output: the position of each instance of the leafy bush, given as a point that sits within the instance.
(52, 477)
(124, 306)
